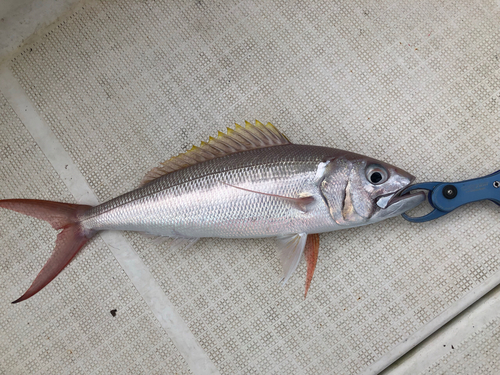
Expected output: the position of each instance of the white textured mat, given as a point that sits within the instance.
(124, 85)
(71, 329)
(470, 344)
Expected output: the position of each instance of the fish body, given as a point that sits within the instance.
(249, 183)
(209, 200)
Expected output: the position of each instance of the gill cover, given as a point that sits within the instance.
(343, 190)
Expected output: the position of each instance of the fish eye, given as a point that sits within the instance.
(376, 174)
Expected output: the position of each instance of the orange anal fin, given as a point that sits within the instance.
(311, 254)
(301, 203)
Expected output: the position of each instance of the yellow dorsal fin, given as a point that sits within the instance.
(235, 140)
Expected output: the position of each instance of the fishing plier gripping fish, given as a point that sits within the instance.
(444, 197)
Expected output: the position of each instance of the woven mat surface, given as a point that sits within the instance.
(477, 354)
(126, 84)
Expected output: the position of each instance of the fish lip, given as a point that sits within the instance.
(385, 201)
(398, 197)
(399, 204)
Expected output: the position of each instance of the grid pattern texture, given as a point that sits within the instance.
(70, 330)
(127, 84)
(477, 354)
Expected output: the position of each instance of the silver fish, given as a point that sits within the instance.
(249, 183)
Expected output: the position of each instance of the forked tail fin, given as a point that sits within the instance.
(69, 241)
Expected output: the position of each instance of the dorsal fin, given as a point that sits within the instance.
(240, 139)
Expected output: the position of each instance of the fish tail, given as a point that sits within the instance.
(69, 241)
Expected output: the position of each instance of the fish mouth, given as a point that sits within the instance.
(396, 204)
(385, 201)
(388, 200)
(398, 197)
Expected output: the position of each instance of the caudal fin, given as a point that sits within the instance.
(69, 241)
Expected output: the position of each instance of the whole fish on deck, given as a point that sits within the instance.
(249, 183)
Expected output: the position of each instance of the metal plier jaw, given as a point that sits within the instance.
(444, 197)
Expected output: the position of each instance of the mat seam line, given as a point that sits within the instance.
(434, 326)
(459, 330)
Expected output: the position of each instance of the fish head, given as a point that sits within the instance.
(361, 190)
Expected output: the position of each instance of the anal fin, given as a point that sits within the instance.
(311, 251)
(179, 242)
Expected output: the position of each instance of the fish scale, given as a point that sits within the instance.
(195, 202)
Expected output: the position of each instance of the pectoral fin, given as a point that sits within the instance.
(290, 249)
(311, 254)
(301, 203)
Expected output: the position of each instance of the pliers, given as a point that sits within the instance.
(444, 197)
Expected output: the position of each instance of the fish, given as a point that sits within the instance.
(250, 182)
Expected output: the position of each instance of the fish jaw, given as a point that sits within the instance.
(395, 204)
(398, 205)
(386, 200)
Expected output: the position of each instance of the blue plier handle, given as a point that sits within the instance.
(444, 197)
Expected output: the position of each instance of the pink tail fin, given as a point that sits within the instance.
(72, 238)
